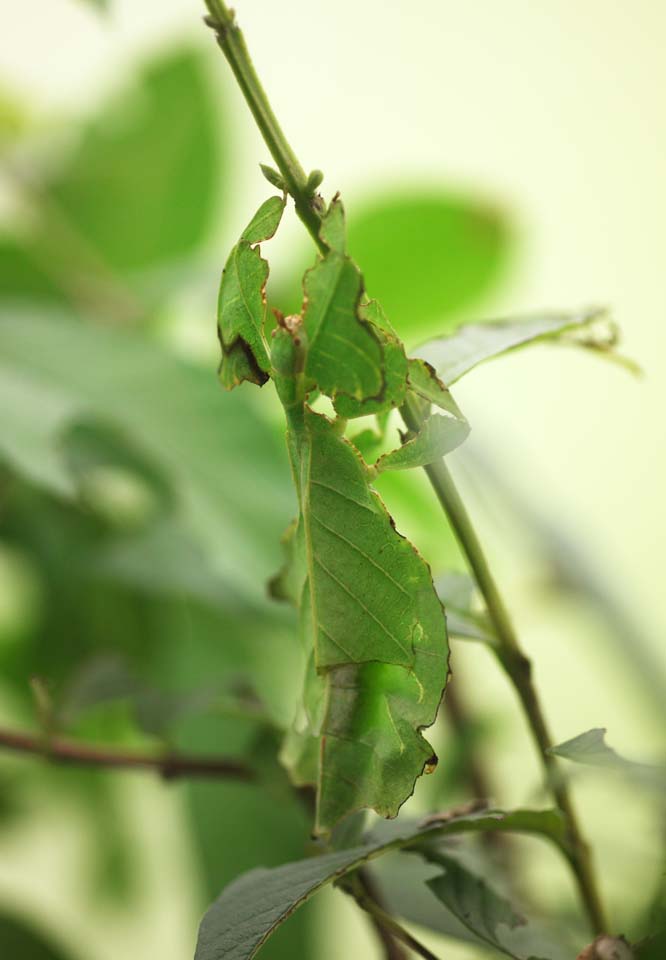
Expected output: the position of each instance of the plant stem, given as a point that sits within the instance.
(355, 886)
(391, 946)
(519, 670)
(507, 650)
(232, 44)
(170, 766)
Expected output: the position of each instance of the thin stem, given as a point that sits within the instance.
(519, 670)
(170, 766)
(507, 650)
(391, 946)
(232, 44)
(354, 885)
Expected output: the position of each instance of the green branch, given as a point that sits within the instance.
(508, 651)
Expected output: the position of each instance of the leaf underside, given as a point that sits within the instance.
(590, 748)
(474, 343)
(473, 901)
(242, 304)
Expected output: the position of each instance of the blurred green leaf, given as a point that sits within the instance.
(224, 465)
(427, 256)
(456, 354)
(250, 908)
(474, 902)
(464, 618)
(114, 479)
(136, 192)
(158, 712)
(590, 748)
(140, 185)
(20, 940)
(23, 275)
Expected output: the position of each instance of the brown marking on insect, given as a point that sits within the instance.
(431, 764)
(292, 323)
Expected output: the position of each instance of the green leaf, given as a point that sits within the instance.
(438, 436)
(252, 907)
(474, 902)
(133, 197)
(394, 372)
(265, 222)
(202, 444)
(427, 256)
(370, 614)
(425, 383)
(344, 353)
(134, 193)
(333, 229)
(590, 748)
(403, 881)
(241, 308)
(474, 343)
(238, 365)
(139, 186)
(21, 941)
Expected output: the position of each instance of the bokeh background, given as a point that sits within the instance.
(495, 159)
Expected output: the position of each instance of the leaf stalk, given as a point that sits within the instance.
(355, 886)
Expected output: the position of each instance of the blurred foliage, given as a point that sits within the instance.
(130, 197)
(428, 255)
(20, 941)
